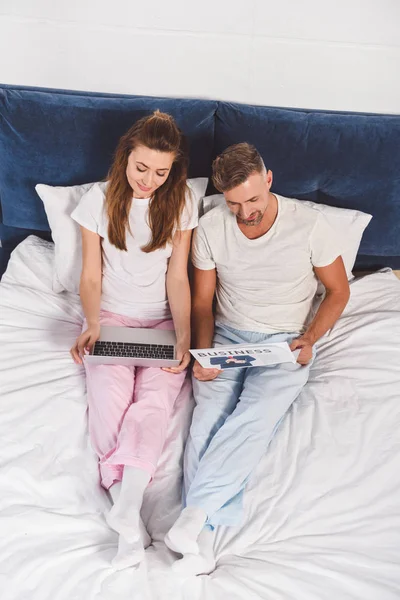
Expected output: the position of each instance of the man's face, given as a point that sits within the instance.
(249, 200)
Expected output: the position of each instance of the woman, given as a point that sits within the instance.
(136, 233)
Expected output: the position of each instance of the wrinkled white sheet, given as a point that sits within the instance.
(323, 507)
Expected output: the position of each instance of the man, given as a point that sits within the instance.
(262, 255)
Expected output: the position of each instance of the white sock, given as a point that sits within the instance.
(198, 564)
(182, 537)
(144, 534)
(114, 491)
(130, 554)
(124, 517)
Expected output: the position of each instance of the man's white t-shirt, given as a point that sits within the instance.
(266, 284)
(134, 282)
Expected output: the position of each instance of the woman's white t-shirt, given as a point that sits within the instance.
(134, 282)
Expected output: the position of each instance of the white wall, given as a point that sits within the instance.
(341, 54)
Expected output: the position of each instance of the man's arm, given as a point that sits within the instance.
(203, 290)
(335, 281)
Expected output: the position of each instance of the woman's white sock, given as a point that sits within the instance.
(115, 491)
(124, 517)
(130, 554)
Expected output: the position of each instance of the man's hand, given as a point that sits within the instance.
(203, 374)
(305, 345)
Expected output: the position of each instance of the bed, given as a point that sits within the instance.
(322, 509)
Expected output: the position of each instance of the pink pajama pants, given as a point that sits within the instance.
(129, 409)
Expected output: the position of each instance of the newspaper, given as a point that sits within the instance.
(245, 355)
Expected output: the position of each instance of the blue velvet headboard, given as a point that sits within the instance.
(65, 138)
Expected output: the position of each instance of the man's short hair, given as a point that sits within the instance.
(235, 165)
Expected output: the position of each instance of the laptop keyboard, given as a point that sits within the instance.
(129, 350)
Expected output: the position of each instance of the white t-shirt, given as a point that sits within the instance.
(266, 284)
(134, 282)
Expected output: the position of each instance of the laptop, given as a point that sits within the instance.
(134, 347)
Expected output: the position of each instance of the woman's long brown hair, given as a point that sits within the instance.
(157, 132)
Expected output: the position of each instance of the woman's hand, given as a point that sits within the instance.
(85, 343)
(182, 354)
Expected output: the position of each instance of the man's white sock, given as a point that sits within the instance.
(182, 537)
(198, 564)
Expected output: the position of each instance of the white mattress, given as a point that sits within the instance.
(323, 507)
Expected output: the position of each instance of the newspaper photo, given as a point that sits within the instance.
(245, 355)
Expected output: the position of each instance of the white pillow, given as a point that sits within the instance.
(349, 223)
(59, 203)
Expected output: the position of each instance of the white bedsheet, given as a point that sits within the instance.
(323, 508)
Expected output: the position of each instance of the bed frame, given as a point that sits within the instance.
(60, 137)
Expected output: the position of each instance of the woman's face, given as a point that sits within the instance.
(147, 170)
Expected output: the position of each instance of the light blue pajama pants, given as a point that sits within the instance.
(234, 420)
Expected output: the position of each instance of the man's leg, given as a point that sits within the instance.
(237, 448)
(240, 444)
(215, 401)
